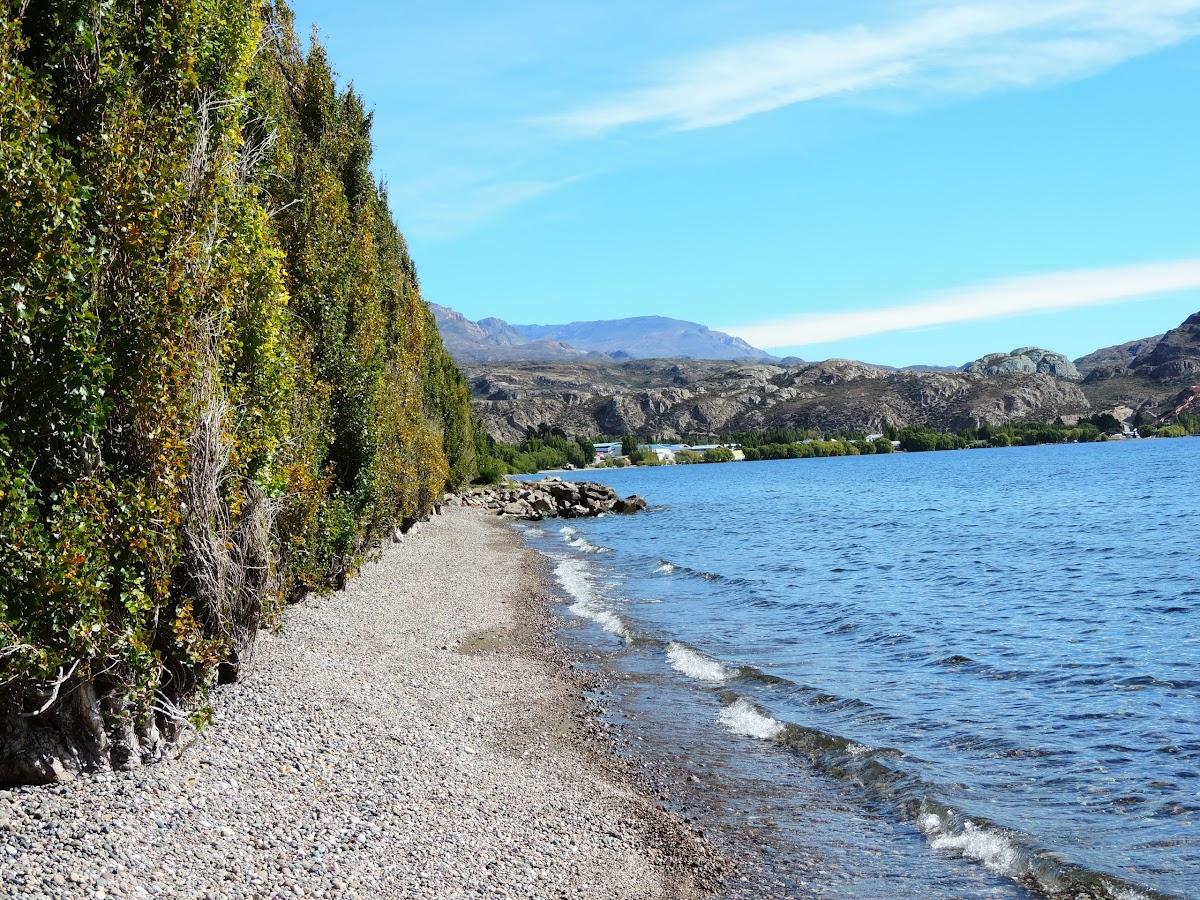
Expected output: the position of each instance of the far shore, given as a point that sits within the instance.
(415, 735)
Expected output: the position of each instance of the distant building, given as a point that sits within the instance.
(606, 450)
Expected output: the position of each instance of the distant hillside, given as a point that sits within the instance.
(688, 398)
(494, 340)
(1118, 357)
(643, 337)
(1155, 373)
(647, 337)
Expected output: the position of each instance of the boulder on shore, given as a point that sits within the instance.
(551, 498)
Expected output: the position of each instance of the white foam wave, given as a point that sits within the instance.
(741, 717)
(665, 567)
(567, 531)
(575, 579)
(587, 546)
(996, 851)
(695, 664)
(1120, 893)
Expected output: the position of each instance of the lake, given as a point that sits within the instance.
(970, 673)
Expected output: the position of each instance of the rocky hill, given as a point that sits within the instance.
(678, 399)
(647, 337)
(641, 337)
(495, 340)
(691, 398)
(1025, 360)
(1118, 357)
(1156, 374)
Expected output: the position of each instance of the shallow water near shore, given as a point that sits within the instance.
(943, 674)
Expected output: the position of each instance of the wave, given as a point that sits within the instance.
(666, 567)
(579, 542)
(695, 664)
(575, 579)
(878, 771)
(1008, 853)
(741, 717)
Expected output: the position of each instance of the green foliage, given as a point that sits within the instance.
(629, 446)
(549, 448)
(718, 455)
(1175, 430)
(1105, 422)
(1189, 422)
(219, 380)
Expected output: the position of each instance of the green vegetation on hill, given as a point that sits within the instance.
(549, 450)
(219, 381)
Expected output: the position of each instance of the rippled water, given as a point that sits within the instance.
(953, 674)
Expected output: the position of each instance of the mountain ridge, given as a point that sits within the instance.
(676, 398)
(636, 337)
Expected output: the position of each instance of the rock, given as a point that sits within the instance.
(630, 504)
(1028, 360)
(550, 498)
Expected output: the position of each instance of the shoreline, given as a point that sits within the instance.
(420, 733)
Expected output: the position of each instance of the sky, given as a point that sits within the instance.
(900, 181)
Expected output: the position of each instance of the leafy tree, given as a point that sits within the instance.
(220, 383)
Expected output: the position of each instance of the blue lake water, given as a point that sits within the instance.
(943, 674)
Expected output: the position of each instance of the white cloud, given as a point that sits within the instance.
(454, 208)
(999, 299)
(952, 48)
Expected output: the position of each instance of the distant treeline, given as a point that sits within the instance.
(549, 448)
(799, 444)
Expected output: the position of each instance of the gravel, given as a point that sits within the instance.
(410, 736)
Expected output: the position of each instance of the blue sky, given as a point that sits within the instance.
(900, 181)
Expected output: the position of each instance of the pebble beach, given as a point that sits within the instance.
(414, 735)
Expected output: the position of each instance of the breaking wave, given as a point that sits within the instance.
(666, 567)
(576, 580)
(741, 717)
(579, 542)
(695, 664)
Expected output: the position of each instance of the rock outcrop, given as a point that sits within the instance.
(551, 498)
(1028, 360)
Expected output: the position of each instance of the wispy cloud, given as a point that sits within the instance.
(999, 299)
(451, 209)
(952, 48)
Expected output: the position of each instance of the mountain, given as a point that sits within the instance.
(1175, 355)
(647, 337)
(494, 340)
(1152, 375)
(677, 399)
(643, 337)
(691, 398)
(1116, 358)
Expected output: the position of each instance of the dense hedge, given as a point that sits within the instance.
(218, 381)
